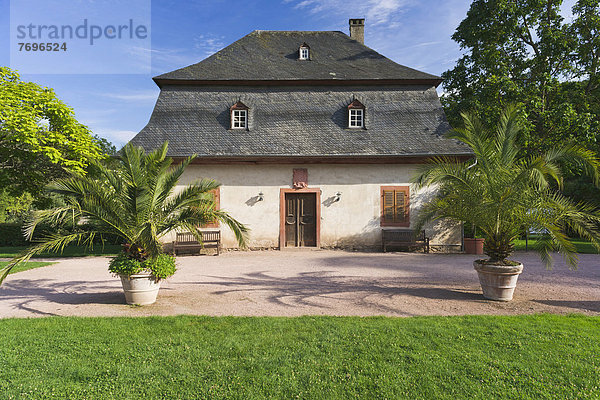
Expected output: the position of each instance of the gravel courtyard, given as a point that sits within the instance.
(292, 283)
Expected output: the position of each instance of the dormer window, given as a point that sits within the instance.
(356, 115)
(239, 116)
(304, 52)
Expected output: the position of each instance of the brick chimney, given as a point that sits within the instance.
(357, 29)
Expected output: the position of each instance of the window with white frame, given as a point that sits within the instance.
(239, 116)
(356, 114)
(304, 52)
(239, 119)
(356, 118)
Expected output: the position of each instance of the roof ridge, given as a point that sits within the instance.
(272, 55)
(292, 30)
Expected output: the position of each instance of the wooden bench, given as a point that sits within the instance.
(404, 238)
(187, 241)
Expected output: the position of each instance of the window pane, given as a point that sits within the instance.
(355, 118)
(238, 119)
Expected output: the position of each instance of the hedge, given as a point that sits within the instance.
(11, 234)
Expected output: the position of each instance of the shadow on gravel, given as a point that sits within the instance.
(306, 288)
(457, 267)
(26, 292)
(578, 305)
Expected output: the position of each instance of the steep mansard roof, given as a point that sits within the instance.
(273, 56)
(298, 108)
(297, 121)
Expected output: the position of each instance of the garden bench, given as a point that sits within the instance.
(404, 238)
(187, 241)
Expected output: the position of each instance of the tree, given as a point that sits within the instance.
(14, 208)
(40, 139)
(586, 30)
(135, 201)
(523, 52)
(503, 193)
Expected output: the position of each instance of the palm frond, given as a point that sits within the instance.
(503, 193)
(134, 199)
(49, 244)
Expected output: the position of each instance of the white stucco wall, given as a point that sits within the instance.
(354, 221)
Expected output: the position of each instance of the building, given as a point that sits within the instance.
(313, 135)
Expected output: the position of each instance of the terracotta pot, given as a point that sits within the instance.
(498, 281)
(140, 289)
(474, 245)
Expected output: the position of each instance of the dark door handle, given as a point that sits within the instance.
(307, 221)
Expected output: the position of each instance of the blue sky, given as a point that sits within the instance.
(415, 33)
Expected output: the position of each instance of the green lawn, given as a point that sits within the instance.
(25, 266)
(582, 246)
(477, 357)
(70, 251)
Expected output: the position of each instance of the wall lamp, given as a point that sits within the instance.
(261, 196)
(338, 196)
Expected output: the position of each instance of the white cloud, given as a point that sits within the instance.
(421, 45)
(144, 96)
(375, 11)
(165, 60)
(91, 117)
(209, 44)
(410, 32)
(118, 137)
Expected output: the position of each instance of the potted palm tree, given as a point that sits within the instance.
(133, 198)
(503, 192)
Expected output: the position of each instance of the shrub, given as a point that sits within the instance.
(136, 198)
(11, 234)
(161, 267)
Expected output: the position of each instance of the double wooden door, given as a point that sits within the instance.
(300, 219)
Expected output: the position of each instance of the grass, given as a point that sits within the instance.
(25, 266)
(583, 247)
(70, 251)
(474, 357)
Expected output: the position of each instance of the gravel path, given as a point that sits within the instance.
(291, 283)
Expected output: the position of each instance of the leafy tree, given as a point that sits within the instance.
(503, 193)
(136, 201)
(586, 30)
(106, 146)
(523, 52)
(40, 138)
(14, 208)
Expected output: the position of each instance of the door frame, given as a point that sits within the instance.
(282, 193)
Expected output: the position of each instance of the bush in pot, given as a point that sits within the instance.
(141, 277)
(503, 191)
(133, 198)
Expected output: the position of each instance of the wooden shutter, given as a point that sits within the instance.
(400, 206)
(388, 206)
(217, 196)
(395, 206)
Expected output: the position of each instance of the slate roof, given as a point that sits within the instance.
(298, 108)
(273, 56)
(299, 121)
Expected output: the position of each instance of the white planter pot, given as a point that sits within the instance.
(140, 289)
(498, 281)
